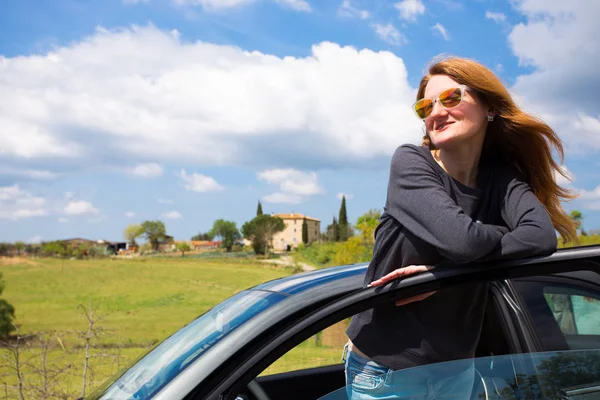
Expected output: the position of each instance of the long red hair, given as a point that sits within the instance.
(517, 137)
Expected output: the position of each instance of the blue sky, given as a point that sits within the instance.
(119, 111)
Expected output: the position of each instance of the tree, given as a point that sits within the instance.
(55, 249)
(6, 249)
(304, 231)
(183, 247)
(366, 224)
(261, 230)
(227, 231)
(577, 218)
(133, 232)
(259, 211)
(203, 236)
(7, 313)
(154, 231)
(19, 246)
(343, 222)
(333, 231)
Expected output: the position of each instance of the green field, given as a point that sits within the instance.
(139, 303)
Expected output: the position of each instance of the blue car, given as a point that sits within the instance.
(540, 339)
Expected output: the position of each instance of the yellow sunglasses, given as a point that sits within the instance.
(449, 98)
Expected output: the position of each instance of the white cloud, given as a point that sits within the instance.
(16, 203)
(561, 180)
(348, 196)
(591, 198)
(199, 183)
(165, 201)
(389, 33)
(298, 5)
(63, 220)
(80, 207)
(69, 195)
(292, 181)
(149, 170)
(130, 214)
(172, 215)
(439, 28)
(410, 9)
(282, 198)
(36, 174)
(294, 185)
(347, 9)
(133, 94)
(35, 239)
(218, 5)
(497, 17)
(213, 4)
(564, 86)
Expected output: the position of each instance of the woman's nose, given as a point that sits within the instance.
(437, 109)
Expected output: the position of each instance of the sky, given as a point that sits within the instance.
(114, 112)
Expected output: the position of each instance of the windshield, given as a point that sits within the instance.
(162, 364)
(573, 375)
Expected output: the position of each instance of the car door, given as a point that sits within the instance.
(563, 309)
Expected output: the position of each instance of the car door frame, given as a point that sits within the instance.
(247, 364)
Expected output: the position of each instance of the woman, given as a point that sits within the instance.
(480, 187)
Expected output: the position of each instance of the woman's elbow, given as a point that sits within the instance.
(548, 241)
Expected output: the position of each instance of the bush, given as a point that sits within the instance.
(7, 313)
(352, 251)
(583, 241)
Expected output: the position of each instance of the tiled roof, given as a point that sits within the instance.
(295, 216)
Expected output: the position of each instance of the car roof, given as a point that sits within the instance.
(298, 283)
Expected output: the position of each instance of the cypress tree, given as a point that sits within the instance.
(336, 230)
(259, 210)
(304, 231)
(343, 221)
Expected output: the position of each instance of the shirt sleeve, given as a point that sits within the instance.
(530, 228)
(417, 199)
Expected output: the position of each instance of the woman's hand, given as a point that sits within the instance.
(402, 273)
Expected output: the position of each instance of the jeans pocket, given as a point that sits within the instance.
(363, 374)
(366, 380)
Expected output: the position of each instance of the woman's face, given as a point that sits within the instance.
(462, 124)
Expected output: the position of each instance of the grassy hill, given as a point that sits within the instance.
(139, 302)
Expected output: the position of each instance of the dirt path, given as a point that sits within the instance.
(16, 260)
(288, 260)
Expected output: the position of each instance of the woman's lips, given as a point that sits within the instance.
(444, 126)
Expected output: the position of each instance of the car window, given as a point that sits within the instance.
(576, 313)
(548, 375)
(322, 349)
(565, 313)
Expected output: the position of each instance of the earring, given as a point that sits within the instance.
(490, 118)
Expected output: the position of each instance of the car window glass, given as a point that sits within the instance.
(565, 312)
(548, 375)
(323, 349)
(576, 314)
(148, 375)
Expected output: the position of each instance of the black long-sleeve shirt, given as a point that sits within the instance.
(430, 217)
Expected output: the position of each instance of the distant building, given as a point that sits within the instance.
(204, 244)
(167, 243)
(291, 236)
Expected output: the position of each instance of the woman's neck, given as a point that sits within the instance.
(461, 164)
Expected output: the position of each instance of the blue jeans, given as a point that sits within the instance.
(368, 380)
